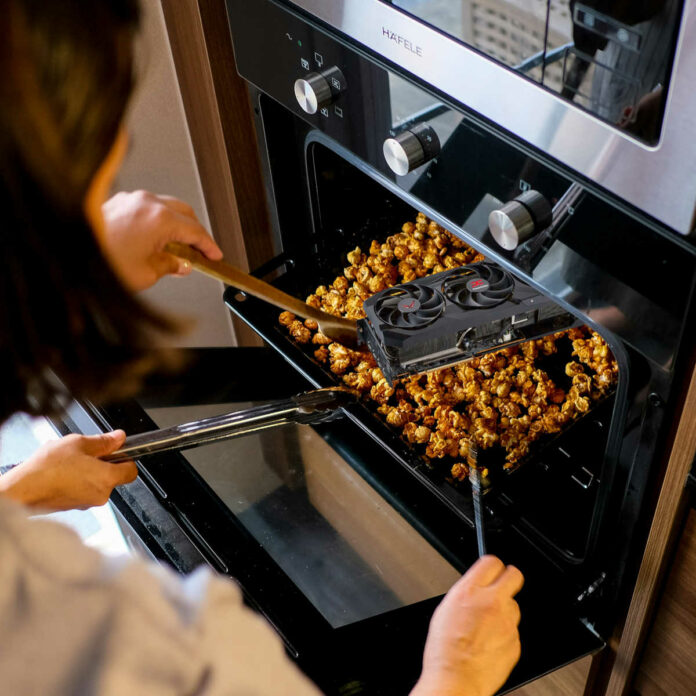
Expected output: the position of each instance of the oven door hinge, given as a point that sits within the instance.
(592, 588)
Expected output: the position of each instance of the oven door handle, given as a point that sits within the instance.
(309, 407)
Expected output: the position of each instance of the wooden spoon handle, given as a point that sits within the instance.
(258, 288)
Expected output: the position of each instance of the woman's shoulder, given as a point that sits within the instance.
(145, 628)
(44, 546)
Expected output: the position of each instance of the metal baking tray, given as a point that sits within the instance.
(433, 474)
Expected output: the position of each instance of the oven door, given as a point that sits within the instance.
(331, 540)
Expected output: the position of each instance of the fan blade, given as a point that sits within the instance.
(413, 320)
(391, 301)
(461, 296)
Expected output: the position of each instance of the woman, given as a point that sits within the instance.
(71, 621)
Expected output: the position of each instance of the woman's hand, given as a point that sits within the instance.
(67, 474)
(473, 642)
(138, 225)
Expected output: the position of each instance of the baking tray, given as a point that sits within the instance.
(263, 319)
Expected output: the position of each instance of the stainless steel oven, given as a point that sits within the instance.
(602, 87)
(478, 115)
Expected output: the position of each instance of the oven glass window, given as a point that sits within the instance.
(612, 58)
(347, 549)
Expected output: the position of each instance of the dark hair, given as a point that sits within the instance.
(67, 74)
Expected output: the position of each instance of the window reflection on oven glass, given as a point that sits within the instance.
(611, 58)
(510, 31)
(347, 549)
(617, 60)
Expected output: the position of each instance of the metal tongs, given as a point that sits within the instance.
(317, 406)
(476, 492)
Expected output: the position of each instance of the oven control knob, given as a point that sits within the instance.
(411, 148)
(315, 91)
(519, 219)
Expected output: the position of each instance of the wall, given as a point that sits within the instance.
(161, 160)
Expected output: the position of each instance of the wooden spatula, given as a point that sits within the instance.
(342, 330)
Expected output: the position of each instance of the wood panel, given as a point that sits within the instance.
(567, 681)
(408, 565)
(666, 520)
(668, 667)
(224, 141)
(238, 132)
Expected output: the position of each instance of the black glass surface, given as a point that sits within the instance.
(612, 58)
(345, 547)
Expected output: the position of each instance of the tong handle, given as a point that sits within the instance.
(337, 328)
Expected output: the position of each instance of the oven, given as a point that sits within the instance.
(548, 139)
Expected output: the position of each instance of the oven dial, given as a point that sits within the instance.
(315, 91)
(411, 149)
(519, 219)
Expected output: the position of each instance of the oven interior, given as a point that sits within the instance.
(554, 497)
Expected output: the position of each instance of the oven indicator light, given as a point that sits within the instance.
(299, 43)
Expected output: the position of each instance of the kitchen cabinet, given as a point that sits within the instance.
(567, 681)
(668, 666)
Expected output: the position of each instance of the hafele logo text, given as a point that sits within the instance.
(402, 41)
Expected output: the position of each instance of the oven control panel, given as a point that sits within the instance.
(397, 127)
(313, 75)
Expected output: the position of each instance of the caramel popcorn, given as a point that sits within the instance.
(299, 331)
(501, 399)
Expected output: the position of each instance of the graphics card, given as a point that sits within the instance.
(455, 315)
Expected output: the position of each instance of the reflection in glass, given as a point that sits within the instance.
(620, 61)
(610, 58)
(344, 546)
(509, 31)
